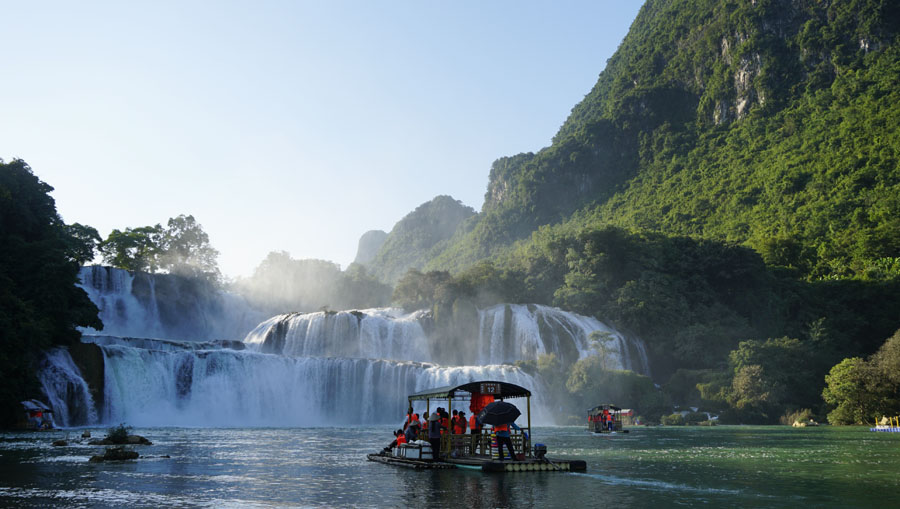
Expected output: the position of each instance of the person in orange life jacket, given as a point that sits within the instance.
(460, 427)
(401, 438)
(393, 443)
(445, 419)
(454, 421)
(474, 425)
(502, 431)
(409, 418)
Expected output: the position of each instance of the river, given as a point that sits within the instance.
(733, 466)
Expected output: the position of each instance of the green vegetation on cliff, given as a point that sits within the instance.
(729, 191)
(416, 238)
(40, 306)
(772, 124)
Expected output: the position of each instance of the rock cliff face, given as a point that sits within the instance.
(690, 75)
(369, 245)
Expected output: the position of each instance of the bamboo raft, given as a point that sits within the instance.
(476, 451)
(483, 464)
(889, 425)
(409, 463)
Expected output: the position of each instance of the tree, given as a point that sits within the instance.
(85, 241)
(135, 249)
(416, 290)
(185, 250)
(182, 249)
(849, 390)
(40, 306)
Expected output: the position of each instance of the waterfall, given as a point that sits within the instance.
(371, 333)
(120, 310)
(511, 332)
(165, 306)
(171, 355)
(67, 392)
(218, 386)
(507, 333)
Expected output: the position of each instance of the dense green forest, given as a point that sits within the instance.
(40, 306)
(729, 191)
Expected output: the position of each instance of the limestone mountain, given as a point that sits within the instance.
(369, 245)
(770, 123)
(417, 237)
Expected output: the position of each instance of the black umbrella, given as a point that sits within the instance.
(499, 412)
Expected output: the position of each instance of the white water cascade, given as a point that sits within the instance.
(67, 392)
(369, 333)
(180, 384)
(171, 354)
(506, 333)
(511, 332)
(164, 306)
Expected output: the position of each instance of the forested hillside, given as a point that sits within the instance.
(772, 124)
(729, 190)
(416, 238)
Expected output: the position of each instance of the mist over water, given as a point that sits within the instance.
(298, 369)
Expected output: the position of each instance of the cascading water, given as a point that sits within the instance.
(120, 310)
(370, 333)
(511, 332)
(181, 385)
(68, 393)
(299, 369)
(507, 333)
(165, 306)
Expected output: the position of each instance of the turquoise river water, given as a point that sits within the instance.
(724, 466)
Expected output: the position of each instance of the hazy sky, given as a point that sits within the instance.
(293, 125)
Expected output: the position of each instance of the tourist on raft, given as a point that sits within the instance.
(434, 434)
(503, 438)
(474, 425)
(459, 423)
(412, 431)
(396, 441)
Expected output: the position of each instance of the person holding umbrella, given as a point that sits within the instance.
(501, 415)
(503, 438)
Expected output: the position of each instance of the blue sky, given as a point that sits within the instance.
(293, 126)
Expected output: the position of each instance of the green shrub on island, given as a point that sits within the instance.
(672, 420)
(801, 415)
(695, 418)
(119, 434)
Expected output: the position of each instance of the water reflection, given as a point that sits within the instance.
(326, 467)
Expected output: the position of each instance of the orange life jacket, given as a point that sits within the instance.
(501, 427)
(401, 439)
(473, 424)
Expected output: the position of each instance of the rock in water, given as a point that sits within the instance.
(115, 454)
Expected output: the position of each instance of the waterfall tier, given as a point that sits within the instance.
(225, 387)
(165, 306)
(506, 333)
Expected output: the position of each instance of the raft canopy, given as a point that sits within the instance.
(600, 408)
(500, 391)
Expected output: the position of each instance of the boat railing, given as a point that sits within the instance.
(479, 444)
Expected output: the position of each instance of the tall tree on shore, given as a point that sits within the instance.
(40, 306)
